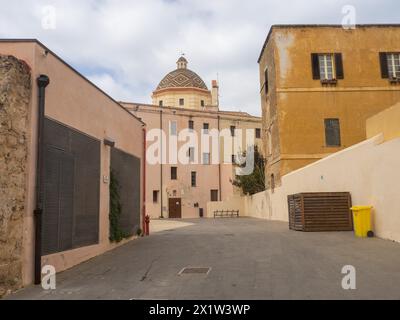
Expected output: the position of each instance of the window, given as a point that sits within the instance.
(191, 125)
(332, 132)
(233, 128)
(155, 196)
(214, 195)
(393, 60)
(181, 102)
(327, 66)
(194, 178)
(160, 103)
(266, 84)
(206, 158)
(233, 158)
(202, 103)
(258, 133)
(174, 173)
(206, 127)
(173, 128)
(191, 152)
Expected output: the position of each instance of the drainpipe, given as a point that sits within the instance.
(42, 82)
(219, 164)
(144, 181)
(161, 165)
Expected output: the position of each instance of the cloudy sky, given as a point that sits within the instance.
(127, 46)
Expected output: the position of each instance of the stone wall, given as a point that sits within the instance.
(15, 94)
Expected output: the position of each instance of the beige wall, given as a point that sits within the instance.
(74, 101)
(255, 206)
(235, 202)
(369, 171)
(192, 96)
(386, 122)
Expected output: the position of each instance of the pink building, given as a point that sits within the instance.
(182, 102)
(59, 137)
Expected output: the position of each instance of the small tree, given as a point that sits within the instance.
(255, 182)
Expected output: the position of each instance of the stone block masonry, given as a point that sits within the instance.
(15, 95)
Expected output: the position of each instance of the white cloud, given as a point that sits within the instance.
(127, 46)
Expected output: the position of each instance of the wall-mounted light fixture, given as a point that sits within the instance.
(109, 142)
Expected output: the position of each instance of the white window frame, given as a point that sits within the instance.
(173, 128)
(206, 158)
(206, 131)
(325, 66)
(391, 59)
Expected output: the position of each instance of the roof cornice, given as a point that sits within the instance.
(299, 26)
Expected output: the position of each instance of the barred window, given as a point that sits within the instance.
(332, 132)
(194, 179)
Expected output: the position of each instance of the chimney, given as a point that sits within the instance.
(215, 93)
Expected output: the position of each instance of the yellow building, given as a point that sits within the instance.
(319, 84)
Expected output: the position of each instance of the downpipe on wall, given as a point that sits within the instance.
(144, 227)
(42, 82)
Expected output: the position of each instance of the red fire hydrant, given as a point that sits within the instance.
(147, 225)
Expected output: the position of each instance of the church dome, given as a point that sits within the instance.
(182, 77)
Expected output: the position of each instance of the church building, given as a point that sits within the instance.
(183, 102)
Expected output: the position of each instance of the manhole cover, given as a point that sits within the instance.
(195, 270)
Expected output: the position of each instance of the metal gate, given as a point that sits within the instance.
(71, 189)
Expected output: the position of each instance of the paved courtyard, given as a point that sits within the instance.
(249, 259)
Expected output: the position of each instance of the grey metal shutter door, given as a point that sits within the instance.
(87, 190)
(50, 210)
(58, 201)
(127, 171)
(72, 189)
(67, 165)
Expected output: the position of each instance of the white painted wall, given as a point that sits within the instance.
(233, 203)
(370, 171)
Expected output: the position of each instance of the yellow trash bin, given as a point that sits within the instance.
(362, 221)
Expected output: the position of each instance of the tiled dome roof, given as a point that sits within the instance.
(182, 78)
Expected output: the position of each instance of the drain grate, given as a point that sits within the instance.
(195, 270)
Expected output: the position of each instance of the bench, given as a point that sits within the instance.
(226, 213)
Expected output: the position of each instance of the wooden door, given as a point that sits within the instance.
(175, 208)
